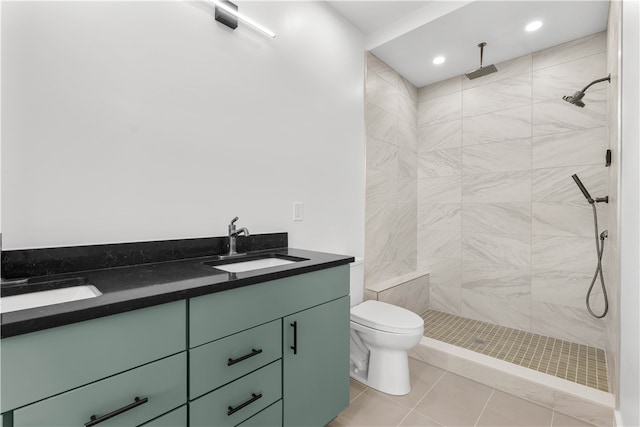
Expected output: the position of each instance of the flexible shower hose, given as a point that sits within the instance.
(600, 251)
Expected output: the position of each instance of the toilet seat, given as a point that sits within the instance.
(386, 317)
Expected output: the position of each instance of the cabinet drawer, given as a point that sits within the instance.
(241, 397)
(44, 363)
(270, 417)
(175, 418)
(262, 303)
(162, 383)
(217, 363)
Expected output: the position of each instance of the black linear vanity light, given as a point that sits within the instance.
(227, 14)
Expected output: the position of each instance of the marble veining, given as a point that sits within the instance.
(564, 79)
(439, 216)
(441, 109)
(380, 189)
(507, 69)
(556, 185)
(497, 157)
(503, 218)
(391, 188)
(574, 254)
(557, 115)
(512, 249)
(407, 163)
(382, 94)
(445, 297)
(497, 187)
(408, 135)
(571, 50)
(505, 305)
(500, 95)
(440, 163)
(381, 124)
(584, 147)
(375, 65)
(381, 155)
(444, 87)
(412, 295)
(494, 192)
(563, 288)
(437, 243)
(440, 136)
(408, 89)
(487, 275)
(505, 125)
(441, 189)
(566, 218)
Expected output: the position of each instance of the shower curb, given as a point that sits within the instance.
(585, 403)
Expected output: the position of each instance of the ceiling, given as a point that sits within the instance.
(407, 35)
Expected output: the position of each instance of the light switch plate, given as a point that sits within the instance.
(298, 213)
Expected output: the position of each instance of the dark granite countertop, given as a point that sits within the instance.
(131, 287)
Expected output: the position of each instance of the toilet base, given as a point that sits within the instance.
(388, 372)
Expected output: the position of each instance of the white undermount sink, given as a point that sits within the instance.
(49, 297)
(256, 264)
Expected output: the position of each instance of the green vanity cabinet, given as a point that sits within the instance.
(140, 394)
(41, 364)
(312, 385)
(316, 364)
(175, 418)
(220, 359)
(269, 417)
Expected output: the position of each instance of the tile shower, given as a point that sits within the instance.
(498, 223)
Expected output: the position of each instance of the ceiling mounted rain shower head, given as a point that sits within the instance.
(576, 98)
(482, 71)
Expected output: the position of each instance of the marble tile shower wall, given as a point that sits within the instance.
(502, 228)
(611, 264)
(391, 194)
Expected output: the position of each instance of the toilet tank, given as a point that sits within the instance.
(356, 281)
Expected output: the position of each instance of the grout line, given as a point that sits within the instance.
(553, 415)
(404, 418)
(425, 395)
(484, 407)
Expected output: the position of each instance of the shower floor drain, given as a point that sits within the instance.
(570, 361)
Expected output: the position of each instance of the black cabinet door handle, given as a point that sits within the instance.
(294, 347)
(254, 352)
(97, 420)
(254, 397)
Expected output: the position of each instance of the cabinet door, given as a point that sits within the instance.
(316, 373)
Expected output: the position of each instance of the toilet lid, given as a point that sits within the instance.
(386, 317)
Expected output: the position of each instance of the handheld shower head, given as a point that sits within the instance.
(576, 98)
(583, 189)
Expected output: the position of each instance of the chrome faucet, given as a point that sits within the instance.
(233, 232)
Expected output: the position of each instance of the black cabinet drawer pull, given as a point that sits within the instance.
(254, 352)
(97, 420)
(294, 347)
(254, 397)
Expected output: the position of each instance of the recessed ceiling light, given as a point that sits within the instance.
(532, 26)
(438, 60)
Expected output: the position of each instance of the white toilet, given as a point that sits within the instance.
(381, 336)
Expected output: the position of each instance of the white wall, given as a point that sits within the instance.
(130, 121)
(629, 398)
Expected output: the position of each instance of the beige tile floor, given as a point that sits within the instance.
(440, 398)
